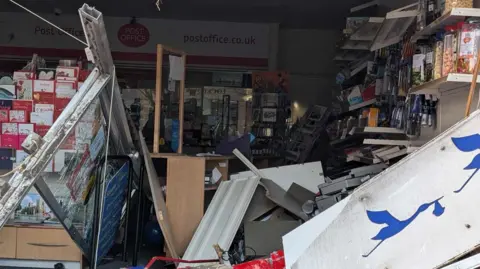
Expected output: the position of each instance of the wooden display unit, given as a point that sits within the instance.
(161, 51)
(38, 243)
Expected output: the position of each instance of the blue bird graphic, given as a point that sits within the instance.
(468, 144)
(394, 225)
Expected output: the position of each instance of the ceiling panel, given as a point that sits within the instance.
(321, 14)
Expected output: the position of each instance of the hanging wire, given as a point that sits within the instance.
(158, 3)
(45, 20)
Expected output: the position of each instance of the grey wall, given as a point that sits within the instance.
(308, 55)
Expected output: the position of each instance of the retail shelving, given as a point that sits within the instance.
(394, 26)
(451, 82)
(454, 16)
(363, 104)
(377, 130)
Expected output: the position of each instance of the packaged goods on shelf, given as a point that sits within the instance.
(450, 4)
(32, 101)
(449, 50)
(468, 46)
(438, 61)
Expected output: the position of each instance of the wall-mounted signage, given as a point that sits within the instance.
(133, 35)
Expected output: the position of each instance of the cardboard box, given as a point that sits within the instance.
(44, 98)
(44, 107)
(67, 73)
(19, 116)
(42, 118)
(7, 92)
(26, 105)
(9, 128)
(44, 86)
(24, 89)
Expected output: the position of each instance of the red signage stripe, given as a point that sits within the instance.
(135, 57)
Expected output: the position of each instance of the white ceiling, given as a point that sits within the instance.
(320, 14)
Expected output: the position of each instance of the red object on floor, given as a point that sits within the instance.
(167, 259)
(276, 261)
(256, 264)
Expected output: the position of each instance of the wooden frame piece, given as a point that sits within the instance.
(161, 50)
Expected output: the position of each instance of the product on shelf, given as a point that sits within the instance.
(418, 69)
(468, 46)
(450, 4)
(31, 103)
(449, 50)
(438, 61)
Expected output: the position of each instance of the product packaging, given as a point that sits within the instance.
(418, 69)
(450, 4)
(438, 61)
(43, 86)
(373, 117)
(18, 116)
(24, 89)
(448, 51)
(4, 115)
(468, 46)
(7, 91)
(44, 98)
(67, 73)
(26, 105)
(42, 118)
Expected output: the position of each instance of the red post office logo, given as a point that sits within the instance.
(133, 35)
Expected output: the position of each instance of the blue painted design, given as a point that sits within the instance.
(468, 144)
(394, 225)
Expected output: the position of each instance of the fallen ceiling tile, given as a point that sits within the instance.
(222, 219)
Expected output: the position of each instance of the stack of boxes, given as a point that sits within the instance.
(37, 100)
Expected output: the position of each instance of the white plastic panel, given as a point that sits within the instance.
(419, 213)
(307, 175)
(222, 219)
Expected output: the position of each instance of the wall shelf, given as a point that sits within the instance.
(438, 86)
(363, 104)
(454, 16)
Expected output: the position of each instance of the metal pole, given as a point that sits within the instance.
(96, 215)
(139, 221)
